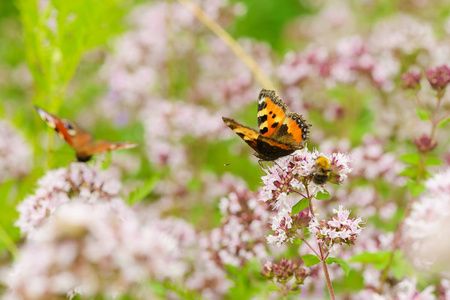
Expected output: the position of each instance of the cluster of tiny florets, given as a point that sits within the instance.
(338, 230)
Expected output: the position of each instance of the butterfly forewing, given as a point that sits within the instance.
(271, 113)
(249, 135)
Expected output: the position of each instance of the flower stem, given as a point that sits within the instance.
(230, 42)
(327, 277)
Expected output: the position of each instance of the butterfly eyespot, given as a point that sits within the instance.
(304, 136)
(304, 129)
(68, 126)
(294, 118)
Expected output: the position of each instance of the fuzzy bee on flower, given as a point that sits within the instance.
(326, 171)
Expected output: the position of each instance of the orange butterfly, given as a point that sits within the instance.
(81, 141)
(281, 132)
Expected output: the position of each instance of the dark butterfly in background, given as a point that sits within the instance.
(81, 141)
(281, 132)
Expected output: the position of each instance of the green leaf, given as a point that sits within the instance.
(301, 205)
(410, 172)
(310, 260)
(433, 161)
(378, 259)
(142, 191)
(414, 188)
(444, 122)
(298, 241)
(323, 195)
(344, 265)
(423, 115)
(399, 265)
(410, 159)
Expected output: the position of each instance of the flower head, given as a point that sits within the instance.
(425, 144)
(295, 172)
(438, 77)
(338, 230)
(58, 187)
(284, 271)
(411, 80)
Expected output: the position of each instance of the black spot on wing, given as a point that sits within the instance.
(262, 119)
(264, 130)
(283, 130)
(275, 125)
(262, 105)
(274, 116)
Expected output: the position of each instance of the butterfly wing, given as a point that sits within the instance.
(271, 113)
(102, 146)
(249, 135)
(266, 148)
(81, 141)
(294, 131)
(66, 129)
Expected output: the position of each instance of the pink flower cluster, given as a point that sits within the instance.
(240, 238)
(426, 228)
(96, 249)
(338, 230)
(58, 187)
(15, 153)
(295, 172)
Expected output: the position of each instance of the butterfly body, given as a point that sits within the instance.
(281, 132)
(81, 141)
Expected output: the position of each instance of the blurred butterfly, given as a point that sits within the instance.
(81, 141)
(281, 132)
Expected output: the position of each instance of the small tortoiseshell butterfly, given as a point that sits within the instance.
(82, 142)
(281, 132)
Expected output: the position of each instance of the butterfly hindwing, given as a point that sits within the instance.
(271, 113)
(294, 130)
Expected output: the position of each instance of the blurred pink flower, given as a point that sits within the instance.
(426, 229)
(79, 182)
(15, 153)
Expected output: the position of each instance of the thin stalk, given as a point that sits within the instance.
(230, 42)
(327, 275)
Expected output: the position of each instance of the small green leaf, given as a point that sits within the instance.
(444, 122)
(399, 265)
(142, 191)
(410, 158)
(414, 188)
(344, 265)
(433, 161)
(423, 115)
(301, 205)
(310, 260)
(298, 241)
(410, 172)
(323, 195)
(378, 259)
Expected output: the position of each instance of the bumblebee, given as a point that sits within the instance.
(323, 170)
